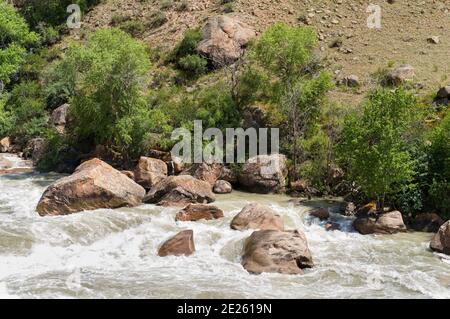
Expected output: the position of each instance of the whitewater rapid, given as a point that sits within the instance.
(113, 254)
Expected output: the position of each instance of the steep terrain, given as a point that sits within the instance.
(406, 27)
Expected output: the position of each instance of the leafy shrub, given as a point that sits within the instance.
(107, 75)
(193, 65)
(373, 145)
(15, 38)
(187, 45)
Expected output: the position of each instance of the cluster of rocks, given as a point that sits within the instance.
(270, 248)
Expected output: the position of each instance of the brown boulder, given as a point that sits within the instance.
(180, 191)
(426, 222)
(387, 223)
(277, 251)
(178, 245)
(59, 117)
(264, 174)
(320, 213)
(5, 145)
(441, 241)
(257, 216)
(150, 171)
(222, 187)
(194, 212)
(209, 173)
(224, 39)
(93, 185)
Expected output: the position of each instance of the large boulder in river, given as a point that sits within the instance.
(150, 171)
(224, 39)
(194, 212)
(426, 222)
(277, 251)
(441, 241)
(93, 185)
(264, 174)
(180, 191)
(257, 216)
(209, 173)
(178, 245)
(387, 223)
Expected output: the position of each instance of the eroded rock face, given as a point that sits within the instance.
(426, 222)
(277, 251)
(180, 191)
(222, 187)
(387, 223)
(257, 216)
(441, 241)
(264, 174)
(194, 212)
(179, 245)
(93, 185)
(209, 173)
(224, 39)
(149, 171)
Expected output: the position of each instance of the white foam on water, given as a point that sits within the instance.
(113, 254)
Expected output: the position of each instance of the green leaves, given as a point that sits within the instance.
(107, 76)
(285, 50)
(15, 37)
(373, 145)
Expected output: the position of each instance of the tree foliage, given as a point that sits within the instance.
(373, 146)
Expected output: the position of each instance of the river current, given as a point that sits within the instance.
(113, 253)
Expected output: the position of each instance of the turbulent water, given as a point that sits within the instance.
(112, 254)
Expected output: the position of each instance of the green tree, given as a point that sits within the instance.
(439, 167)
(373, 145)
(107, 76)
(15, 38)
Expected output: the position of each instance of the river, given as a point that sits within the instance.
(112, 254)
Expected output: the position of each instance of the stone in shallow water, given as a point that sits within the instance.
(178, 245)
(194, 212)
(257, 216)
(441, 241)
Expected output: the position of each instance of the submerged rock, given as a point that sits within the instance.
(178, 245)
(93, 185)
(180, 191)
(441, 241)
(264, 174)
(387, 223)
(320, 213)
(257, 216)
(277, 251)
(194, 212)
